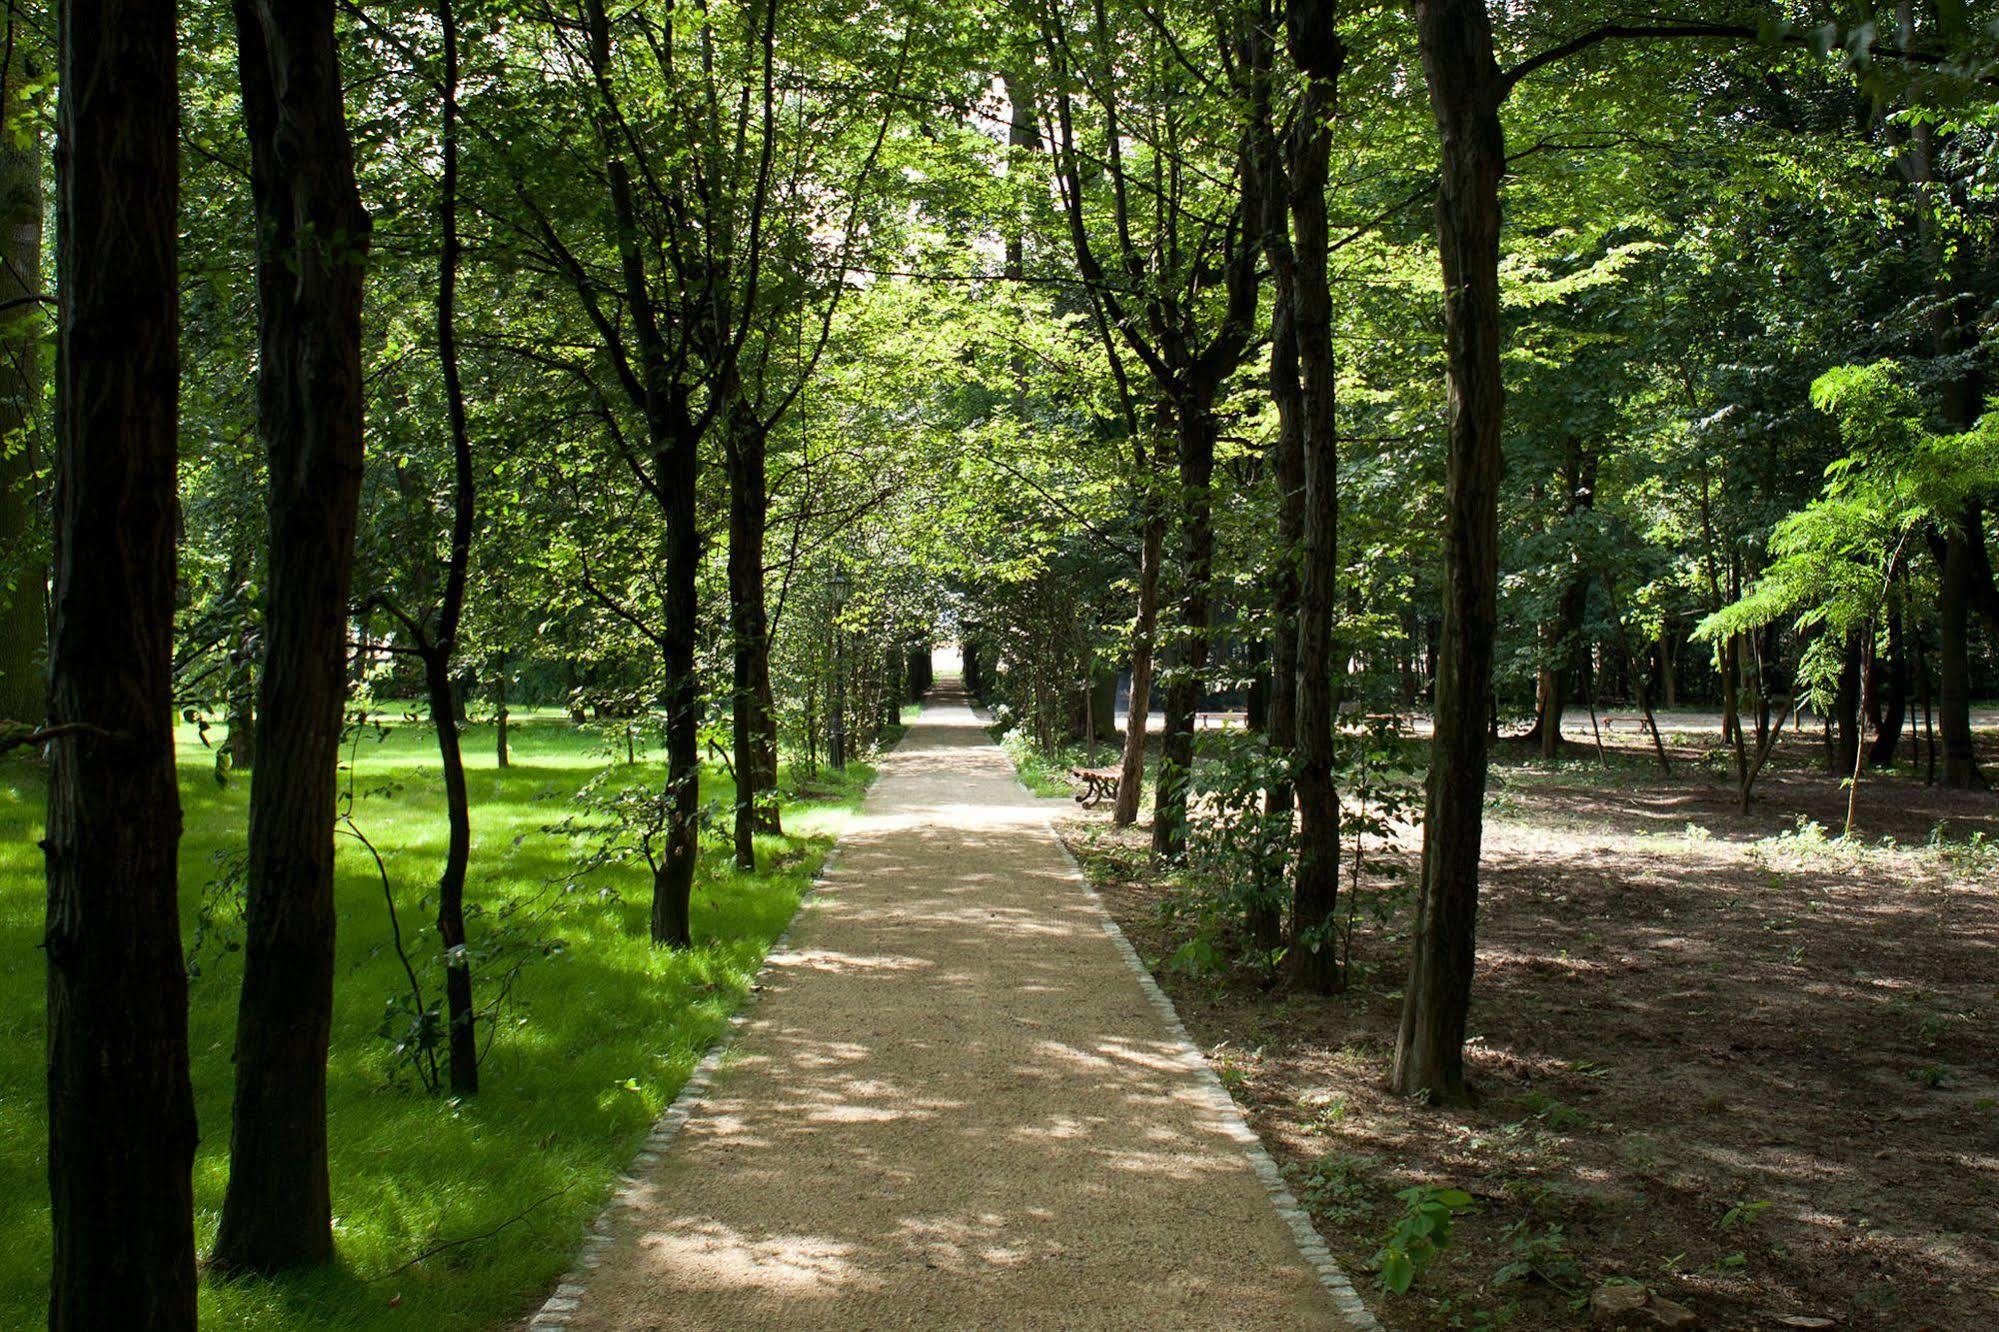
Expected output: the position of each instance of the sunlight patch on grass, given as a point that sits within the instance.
(599, 1034)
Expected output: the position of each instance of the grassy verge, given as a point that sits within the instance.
(1046, 772)
(598, 1034)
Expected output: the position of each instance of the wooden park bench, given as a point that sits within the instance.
(1099, 784)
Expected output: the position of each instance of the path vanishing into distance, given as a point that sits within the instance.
(954, 1105)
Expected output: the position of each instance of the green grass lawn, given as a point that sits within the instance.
(599, 1034)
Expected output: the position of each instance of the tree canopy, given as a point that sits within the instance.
(693, 370)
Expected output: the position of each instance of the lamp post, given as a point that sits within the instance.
(837, 743)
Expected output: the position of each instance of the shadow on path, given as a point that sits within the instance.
(953, 1107)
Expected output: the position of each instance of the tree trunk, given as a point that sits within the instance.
(675, 443)
(311, 254)
(1563, 646)
(1960, 757)
(1732, 715)
(753, 725)
(1465, 92)
(896, 685)
(1669, 666)
(1152, 540)
(1846, 708)
(23, 549)
(1562, 641)
(677, 467)
(1862, 648)
(1188, 653)
(1731, 703)
(1929, 723)
(1764, 643)
(1892, 714)
(1256, 695)
(1103, 705)
(121, 1110)
(459, 1017)
(502, 742)
(1546, 732)
(242, 719)
(1638, 685)
(1953, 335)
(1288, 476)
(241, 702)
(1313, 958)
(1412, 686)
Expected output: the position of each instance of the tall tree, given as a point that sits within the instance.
(1287, 452)
(434, 629)
(1144, 633)
(443, 643)
(1466, 90)
(1311, 27)
(23, 543)
(312, 244)
(753, 713)
(1159, 304)
(758, 237)
(1959, 549)
(121, 1109)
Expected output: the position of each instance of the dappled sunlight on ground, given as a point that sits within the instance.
(596, 1032)
(953, 1097)
(709, 1253)
(1725, 1054)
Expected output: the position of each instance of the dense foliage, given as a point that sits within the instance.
(716, 361)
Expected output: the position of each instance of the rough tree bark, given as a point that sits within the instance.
(1466, 90)
(1312, 961)
(311, 257)
(753, 720)
(1187, 652)
(676, 464)
(121, 1110)
(1288, 478)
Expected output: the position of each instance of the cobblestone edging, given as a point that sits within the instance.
(559, 1308)
(1310, 1243)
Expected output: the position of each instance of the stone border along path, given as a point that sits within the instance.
(946, 1105)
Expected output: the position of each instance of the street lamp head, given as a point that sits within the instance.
(838, 585)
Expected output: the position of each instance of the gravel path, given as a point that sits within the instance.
(954, 1106)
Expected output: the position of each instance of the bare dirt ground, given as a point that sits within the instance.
(953, 1107)
(1752, 1068)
